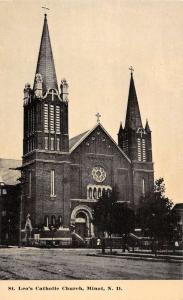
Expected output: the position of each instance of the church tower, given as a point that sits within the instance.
(135, 141)
(45, 110)
(46, 143)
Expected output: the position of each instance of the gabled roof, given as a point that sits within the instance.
(45, 64)
(7, 175)
(77, 140)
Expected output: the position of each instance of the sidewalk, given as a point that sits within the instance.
(144, 255)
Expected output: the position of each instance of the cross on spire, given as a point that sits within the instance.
(45, 8)
(131, 69)
(98, 117)
(52, 94)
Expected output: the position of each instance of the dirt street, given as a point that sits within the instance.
(33, 263)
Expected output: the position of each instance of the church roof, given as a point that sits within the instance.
(133, 118)
(77, 140)
(45, 64)
(178, 206)
(7, 175)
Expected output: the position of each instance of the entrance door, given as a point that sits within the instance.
(81, 224)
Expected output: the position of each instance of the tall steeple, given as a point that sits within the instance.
(133, 118)
(45, 109)
(134, 139)
(46, 159)
(45, 64)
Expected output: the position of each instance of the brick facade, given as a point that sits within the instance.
(62, 182)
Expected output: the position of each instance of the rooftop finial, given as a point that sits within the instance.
(131, 69)
(45, 8)
(98, 117)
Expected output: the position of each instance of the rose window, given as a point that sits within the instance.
(98, 174)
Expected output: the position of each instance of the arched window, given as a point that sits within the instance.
(59, 220)
(46, 221)
(99, 193)
(143, 187)
(52, 183)
(81, 215)
(90, 193)
(95, 193)
(108, 192)
(53, 220)
(103, 192)
(46, 143)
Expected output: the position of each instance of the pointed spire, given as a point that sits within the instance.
(45, 64)
(120, 128)
(147, 128)
(133, 118)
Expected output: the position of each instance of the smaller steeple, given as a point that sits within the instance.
(27, 93)
(64, 90)
(120, 128)
(147, 128)
(133, 118)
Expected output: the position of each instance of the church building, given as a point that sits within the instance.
(63, 178)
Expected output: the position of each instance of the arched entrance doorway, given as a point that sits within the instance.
(81, 218)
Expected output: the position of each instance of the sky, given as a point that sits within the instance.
(94, 43)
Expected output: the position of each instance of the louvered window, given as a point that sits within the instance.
(143, 150)
(52, 127)
(46, 117)
(139, 146)
(57, 119)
